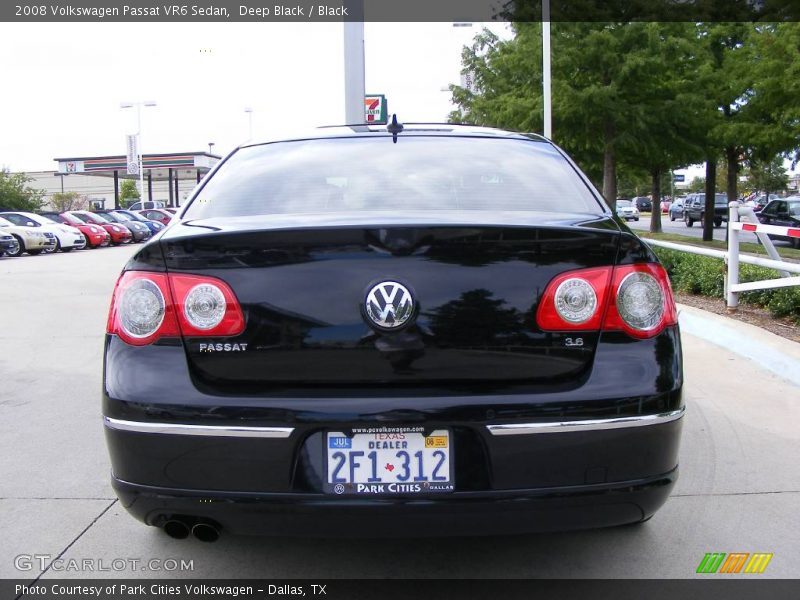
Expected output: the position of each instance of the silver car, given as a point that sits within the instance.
(626, 210)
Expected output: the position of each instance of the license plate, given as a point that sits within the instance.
(389, 461)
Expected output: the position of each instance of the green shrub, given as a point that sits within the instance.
(695, 274)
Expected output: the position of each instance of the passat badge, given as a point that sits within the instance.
(389, 305)
(239, 347)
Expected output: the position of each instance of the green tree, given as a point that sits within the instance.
(646, 96)
(698, 184)
(752, 109)
(64, 201)
(768, 176)
(128, 193)
(608, 92)
(664, 134)
(15, 194)
(631, 182)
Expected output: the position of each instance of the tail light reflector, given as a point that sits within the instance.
(142, 309)
(207, 306)
(643, 304)
(575, 301)
(636, 299)
(147, 306)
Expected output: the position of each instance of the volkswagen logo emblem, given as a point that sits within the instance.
(389, 305)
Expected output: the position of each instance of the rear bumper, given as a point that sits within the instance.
(510, 478)
(600, 454)
(117, 238)
(459, 513)
(100, 240)
(74, 243)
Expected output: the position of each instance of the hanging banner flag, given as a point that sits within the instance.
(133, 155)
(468, 81)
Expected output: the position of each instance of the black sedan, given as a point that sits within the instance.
(392, 331)
(643, 203)
(784, 212)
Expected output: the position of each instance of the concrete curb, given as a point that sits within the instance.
(771, 352)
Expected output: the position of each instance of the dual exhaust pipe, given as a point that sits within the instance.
(179, 528)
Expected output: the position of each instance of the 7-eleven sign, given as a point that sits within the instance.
(375, 110)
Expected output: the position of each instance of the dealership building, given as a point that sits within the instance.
(168, 178)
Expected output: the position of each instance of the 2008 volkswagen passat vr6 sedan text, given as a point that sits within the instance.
(426, 330)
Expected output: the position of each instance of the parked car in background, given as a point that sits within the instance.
(352, 353)
(173, 211)
(146, 204)
(643, 203)
(154, 226)
(68, 238)
(626, 210)
(695, 208)
(29, 239)
(8, 243)
(139, 231)
(95, 235)
(157, 214)
(665, 204)
(760, 201)
(783, 212)
(119, 233)
(676, 209)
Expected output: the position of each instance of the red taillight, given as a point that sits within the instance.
(142, 309)
(636, 299)
(565, 308)
(643, 304)
(147, 306)
(206, 306)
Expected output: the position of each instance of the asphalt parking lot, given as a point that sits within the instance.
(738, 491)
(678, 227)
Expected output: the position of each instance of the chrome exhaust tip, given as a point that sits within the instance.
(205, 532)
(176, 529)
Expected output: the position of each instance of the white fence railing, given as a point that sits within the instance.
(742, 218)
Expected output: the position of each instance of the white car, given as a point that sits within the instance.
(28, 239)
(626, 210)
(147, 204)
(68, 238)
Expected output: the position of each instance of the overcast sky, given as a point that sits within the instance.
(63, 82)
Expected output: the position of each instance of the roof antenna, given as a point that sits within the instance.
(394, 128)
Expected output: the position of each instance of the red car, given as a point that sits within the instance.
(119, 233)
(95, 235)
(156, 214)
(665, 204)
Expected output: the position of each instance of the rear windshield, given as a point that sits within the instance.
(92, 218)
(375, 174)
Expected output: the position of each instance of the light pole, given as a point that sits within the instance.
(354, 79)
(138, 106)
(249, 111)
(546, 96)
(210, 146)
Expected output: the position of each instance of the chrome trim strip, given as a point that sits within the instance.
(206, 430)
(586, 424)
